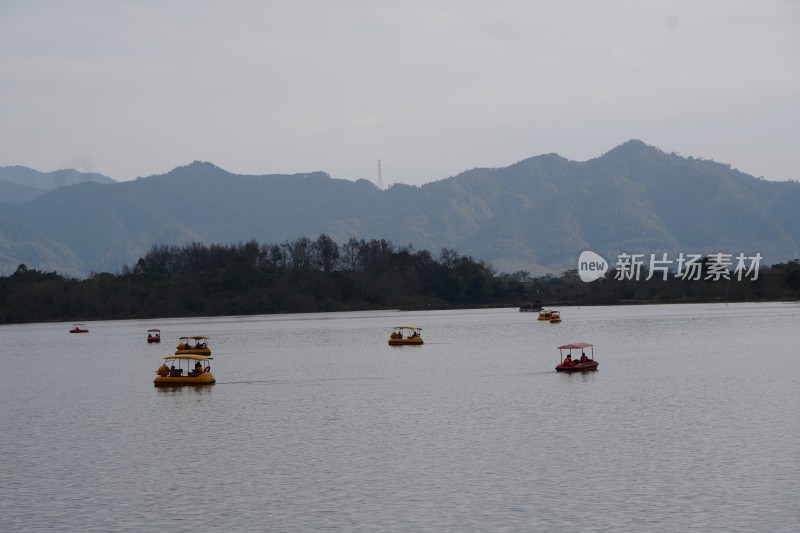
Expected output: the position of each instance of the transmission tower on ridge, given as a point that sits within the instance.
(380, 176)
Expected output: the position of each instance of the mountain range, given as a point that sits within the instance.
(537, 214)
(19, 184)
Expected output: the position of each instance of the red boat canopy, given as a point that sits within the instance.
(575, 346)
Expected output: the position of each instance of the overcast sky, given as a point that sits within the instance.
(431, 88)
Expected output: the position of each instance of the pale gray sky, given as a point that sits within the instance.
(432, 88)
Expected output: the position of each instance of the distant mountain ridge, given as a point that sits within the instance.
(537, 214)
(20, 184)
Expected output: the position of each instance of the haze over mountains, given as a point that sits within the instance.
(20, 184)
(538, 214)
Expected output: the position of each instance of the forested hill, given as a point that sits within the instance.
(317, 275)
(536, 215)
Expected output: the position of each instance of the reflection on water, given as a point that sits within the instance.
(201, 390)
(316, 423)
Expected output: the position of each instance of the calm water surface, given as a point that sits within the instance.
(692, 422)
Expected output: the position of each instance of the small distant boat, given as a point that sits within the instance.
(79, 328)
(402, 335)
(555, 317)
(528, 307)
(545, 314)
(193, 345)
(153, 335)
(581, 363)
(185, 370)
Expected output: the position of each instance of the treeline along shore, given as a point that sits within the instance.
(319, 275)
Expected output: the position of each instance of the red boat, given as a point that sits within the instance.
(581, 363)
(153, 335)
(79, 328)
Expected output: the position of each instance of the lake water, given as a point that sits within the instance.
(692, 422)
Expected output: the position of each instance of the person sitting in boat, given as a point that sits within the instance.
(584, 359)
(198, 368)
(415, 335)
(568, 360)
(174, 371)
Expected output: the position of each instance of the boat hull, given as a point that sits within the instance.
(194, 351)
(580, 367)
(403, 342)
(206, 378)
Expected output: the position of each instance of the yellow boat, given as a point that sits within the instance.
(197, 370)
(544, 314)
(195, 344)
(402, 335)
(555, 317)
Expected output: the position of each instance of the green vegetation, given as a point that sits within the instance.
(312, 275)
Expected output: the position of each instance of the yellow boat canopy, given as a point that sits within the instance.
(195, 337)
(406, 327)
(189, 356)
